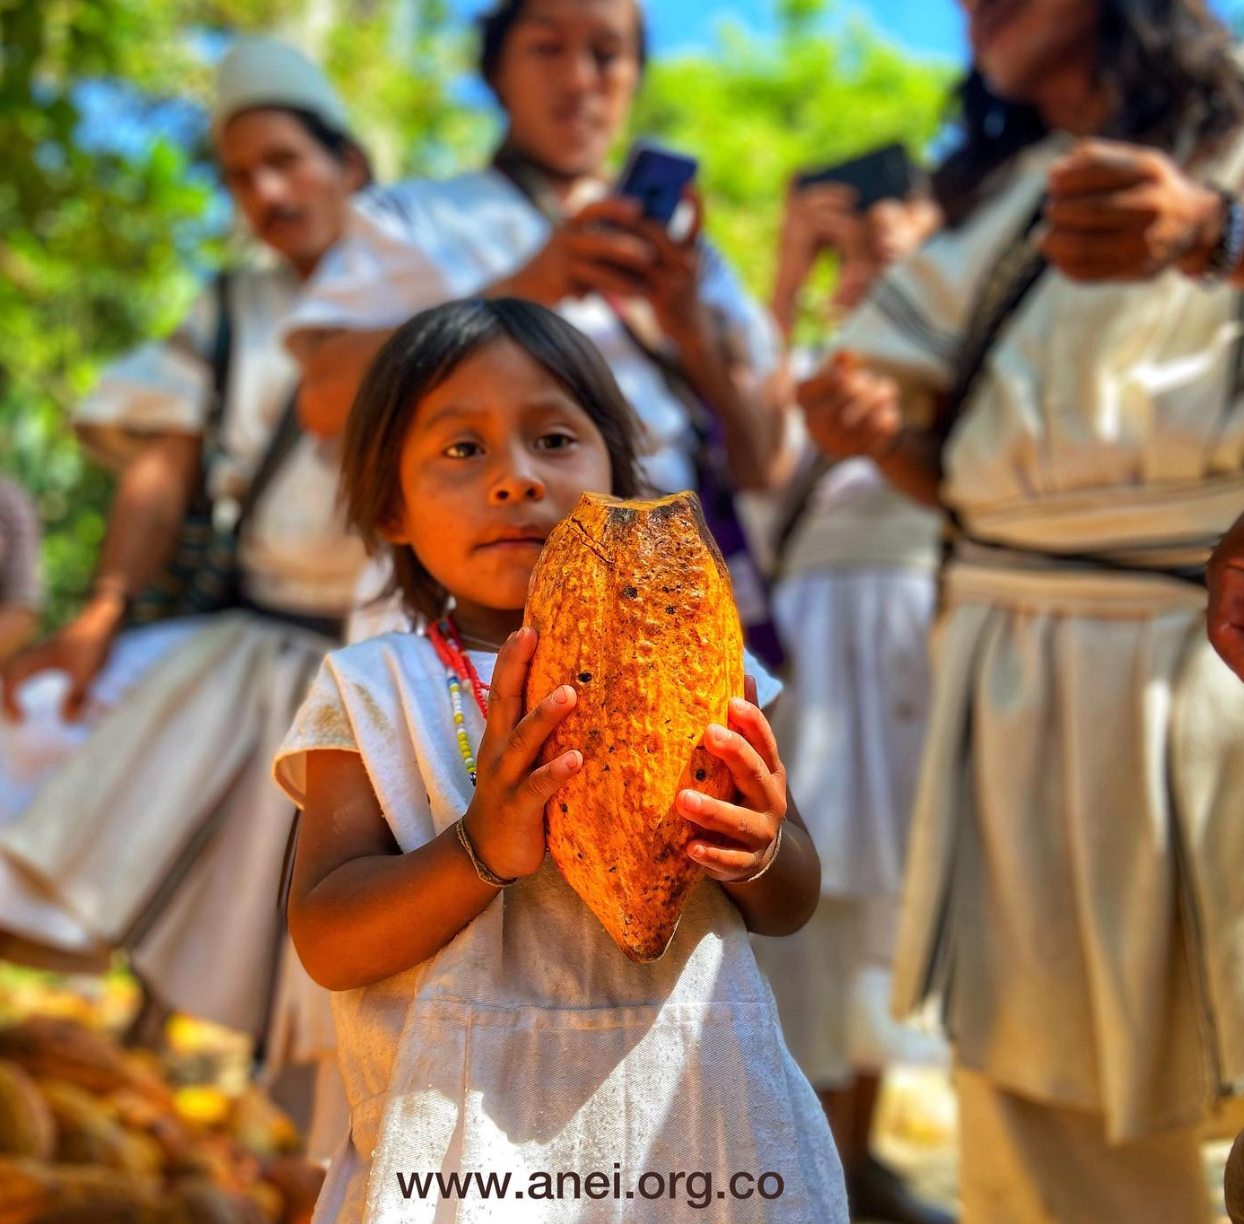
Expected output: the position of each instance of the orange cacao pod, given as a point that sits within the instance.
(633, 604)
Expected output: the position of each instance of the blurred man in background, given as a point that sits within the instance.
(135, 761)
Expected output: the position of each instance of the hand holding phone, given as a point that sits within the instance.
(657, 178)
(883, 174)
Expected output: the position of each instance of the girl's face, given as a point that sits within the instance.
(496, 456)
(566, 76)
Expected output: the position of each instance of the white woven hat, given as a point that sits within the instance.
(261, 71)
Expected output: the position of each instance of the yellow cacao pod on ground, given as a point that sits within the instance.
(203, 1202)
(634, 608)
(88, 1132)
(35, 1193)
(26, 1124)
(260, 1126)
(53, 1048)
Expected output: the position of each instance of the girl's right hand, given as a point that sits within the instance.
(850, 410)
(505, 821)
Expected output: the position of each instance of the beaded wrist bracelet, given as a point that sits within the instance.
(1228, 251)
(777, 849)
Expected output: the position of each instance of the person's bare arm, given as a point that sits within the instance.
(333, 363)
(143, 525)
(753, 426)
(17, 626)
(1225, 614)
(359, 909)
(784, 898)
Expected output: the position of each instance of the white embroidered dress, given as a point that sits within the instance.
(530, 1043)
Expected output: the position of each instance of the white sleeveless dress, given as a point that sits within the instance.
(530, 1044)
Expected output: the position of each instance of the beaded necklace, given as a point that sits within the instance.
(459, 670)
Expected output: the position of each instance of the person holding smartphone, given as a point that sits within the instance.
(689, 348)
(540, 222)
(853, 598)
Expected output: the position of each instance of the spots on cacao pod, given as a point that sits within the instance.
(613, 868)
(621, 515)
(630, 592)
(670, 609)
(565, 808)
(585, 677)
(700, 775)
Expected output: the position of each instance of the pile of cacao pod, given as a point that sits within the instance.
(92, 1133)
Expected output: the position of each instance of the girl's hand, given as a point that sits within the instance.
(850, 410)
(739, 837)
(506, 818)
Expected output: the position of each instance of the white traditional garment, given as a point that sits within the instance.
(153, 822)
(1074, 883)
(853, 606)
(295, 552)
(1024, 1163)
(530, 1043)
(419, 243)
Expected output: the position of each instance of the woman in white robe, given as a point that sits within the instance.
(1073, 887)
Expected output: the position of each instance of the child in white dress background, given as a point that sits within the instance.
(489, 1030)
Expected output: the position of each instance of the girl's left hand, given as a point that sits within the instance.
(739, 837)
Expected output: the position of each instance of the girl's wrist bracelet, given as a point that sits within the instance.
(482, 869)
(777, 848)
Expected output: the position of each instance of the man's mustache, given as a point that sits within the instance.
(280, 212)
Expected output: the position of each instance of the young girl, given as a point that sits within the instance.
(489, 1030)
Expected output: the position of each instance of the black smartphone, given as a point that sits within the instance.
(884, 174)
(656, 178)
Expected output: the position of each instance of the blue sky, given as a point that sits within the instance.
(929, 26)
(932, 27)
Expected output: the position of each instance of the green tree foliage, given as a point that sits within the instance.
(110, 216)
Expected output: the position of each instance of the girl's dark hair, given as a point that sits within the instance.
(494, 28)
(1169, 64)
(417, 358)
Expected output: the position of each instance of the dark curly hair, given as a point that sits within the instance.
(416, 359)
(1170, 64)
